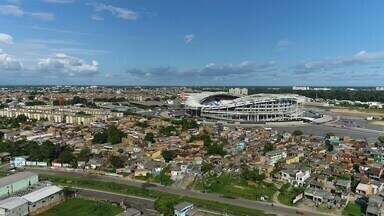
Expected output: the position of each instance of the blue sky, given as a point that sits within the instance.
(199, 42)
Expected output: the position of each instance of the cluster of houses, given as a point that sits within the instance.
(331, 170)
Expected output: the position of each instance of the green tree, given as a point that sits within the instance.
(66, 156)
(100, 137)
(206, 167)
(328, 135)
(116, 162)
(216, 149)
(168, 155)
(114, 134)
(149, 137)
(268, 146)
(297, 133)
(381, 138)
(328, 146)
(168, 131)
(164, 204)
(252, 175)
(84, 154)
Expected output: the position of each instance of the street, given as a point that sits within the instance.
(251, 204)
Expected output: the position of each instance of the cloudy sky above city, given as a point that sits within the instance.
(199, 42)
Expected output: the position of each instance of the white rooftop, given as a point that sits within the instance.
(15, 177)
(12, 202)
(42, 193)
(195, 99)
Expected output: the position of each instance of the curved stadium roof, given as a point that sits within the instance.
(198, 100)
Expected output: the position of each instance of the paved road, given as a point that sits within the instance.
(251, 204)
(322, 130)
(145, 205)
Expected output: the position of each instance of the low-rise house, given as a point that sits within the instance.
(295, 176)
(95, 163)
(375, 206)
(375, 173)
(273, 157)
(365, 189)
(343, 185)
(292, 159)
(319, 196)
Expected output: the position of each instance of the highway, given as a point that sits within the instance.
(321, 130)
(267, 207)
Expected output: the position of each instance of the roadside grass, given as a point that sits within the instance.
(233, 186)
(352, 209)
(83, 207)
(287, 194)
(165, 199)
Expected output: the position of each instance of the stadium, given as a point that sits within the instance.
(257, 108)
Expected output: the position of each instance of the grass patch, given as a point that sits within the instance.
(288, 193)
(234, 186)
(162, 197)
(352, 209)
(83, 207)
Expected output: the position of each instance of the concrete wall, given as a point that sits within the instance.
(46, 203)
(18, 211)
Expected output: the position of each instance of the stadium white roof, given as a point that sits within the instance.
(42, 193)
(195, 99)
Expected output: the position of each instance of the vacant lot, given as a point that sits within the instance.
(235, 186)
(80, 207)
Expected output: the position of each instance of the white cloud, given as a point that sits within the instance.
(211, 70)
(118, 12)
(62, 64)
(283, 43)
(59, 1)
(57, 30)
(6, 38)
(14, 1)
(9, 63)
(362, 57)
(97, 17)
(42, 16)
(13, 10)
(189, 38)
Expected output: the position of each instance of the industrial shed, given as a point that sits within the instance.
(17, 182)
(13, 206)
(44, 198)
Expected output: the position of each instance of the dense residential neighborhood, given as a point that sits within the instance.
(157, 144)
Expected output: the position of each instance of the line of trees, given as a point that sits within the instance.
(339, 94)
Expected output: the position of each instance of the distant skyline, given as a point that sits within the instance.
(196, 42)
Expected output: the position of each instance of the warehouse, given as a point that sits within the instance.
(44, 198)
(13, 206)
(17, 182)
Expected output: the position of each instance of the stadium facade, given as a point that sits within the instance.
(257, 108)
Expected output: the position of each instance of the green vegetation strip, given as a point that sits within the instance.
(83, 207)
(164, 201)
(236, 186)
(352, 209)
